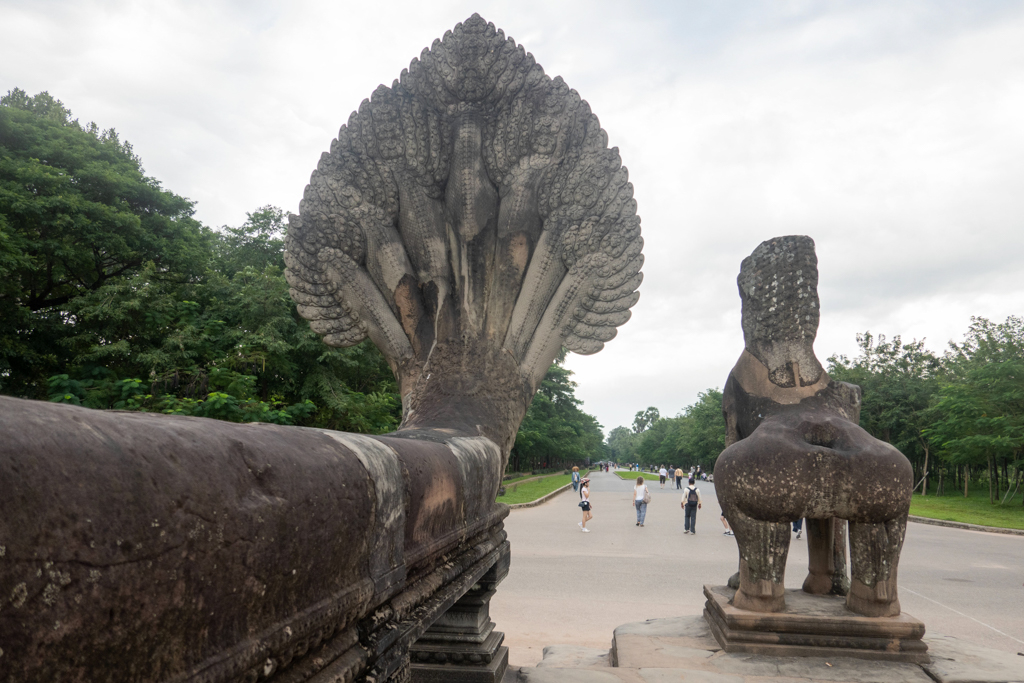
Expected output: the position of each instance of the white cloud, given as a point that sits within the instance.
(889, 132)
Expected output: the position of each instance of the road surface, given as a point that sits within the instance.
(566, 586)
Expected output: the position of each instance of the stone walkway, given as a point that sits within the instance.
(567, 587)
(682, 649)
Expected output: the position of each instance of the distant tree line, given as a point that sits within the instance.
(112, 295)
(693, 437)
(958, 417)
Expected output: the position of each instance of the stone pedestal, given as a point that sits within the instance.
(462, 645)
(813, 626)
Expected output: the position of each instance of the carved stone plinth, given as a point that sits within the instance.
(462, 645)
(813, 626)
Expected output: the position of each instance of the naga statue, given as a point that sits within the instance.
(471, 221)
(794, 450)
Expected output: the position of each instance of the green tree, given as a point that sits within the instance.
(899, 381)
(696, 436)
(555, 431)
(701, 437)
(645, 419)
(978, 417)
(621, 445)
(229, 345)
(76, 212)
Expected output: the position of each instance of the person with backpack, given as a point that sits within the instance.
(691, 503)
(641, 497)
(575, 478)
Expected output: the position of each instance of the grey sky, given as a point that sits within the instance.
(890, 132)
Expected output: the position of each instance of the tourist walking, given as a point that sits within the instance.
(691, 503)
(641, 496)
(585, 504)
(679, 478)
(728, 529)
(575, 478)
(798, 527)
(662, 473)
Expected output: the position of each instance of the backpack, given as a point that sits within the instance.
(691, 496)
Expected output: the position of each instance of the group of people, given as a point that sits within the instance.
(669, 474)
(690, 503)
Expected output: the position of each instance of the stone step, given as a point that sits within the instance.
(575, 657)
(683, 649)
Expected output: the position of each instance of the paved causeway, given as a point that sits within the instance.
(569, 587)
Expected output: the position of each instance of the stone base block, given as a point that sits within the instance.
(813, 626)
(488, 672)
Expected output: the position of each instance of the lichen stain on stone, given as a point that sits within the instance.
(50, 594)
(19, 595)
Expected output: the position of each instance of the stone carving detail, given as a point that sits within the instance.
(470, 220)
(794, 449)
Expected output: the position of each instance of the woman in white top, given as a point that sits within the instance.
(639, 492)
(585, 504)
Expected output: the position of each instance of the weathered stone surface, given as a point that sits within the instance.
(676, 642)
(956, 661)
(794, 450)
(470, 220)
(462, 644)
(650, 660)
(575, 657)
(831, 669)
(643, 646)
(677, 676)
(553, 674)
(173, 545)
(676, 627)
(815, 626)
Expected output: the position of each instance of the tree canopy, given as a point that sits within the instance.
(555, 432)
(952, 414)
(693, 437)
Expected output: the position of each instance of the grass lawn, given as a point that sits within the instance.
(648, 477)
(975, 509)
(514, 480)
(532, 490)
(526, 476)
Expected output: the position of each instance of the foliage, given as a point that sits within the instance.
(978, 415)
(899, 381)
(965, 407)
(622, 445)
(645, 419)
(555, 432)
(694, 437)
(112, 296)
(231, 348)
(77, 212)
